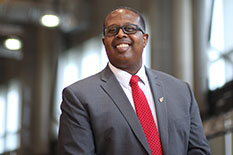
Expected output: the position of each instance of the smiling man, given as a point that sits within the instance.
(128, 109)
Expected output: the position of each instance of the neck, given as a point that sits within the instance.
(133, 70)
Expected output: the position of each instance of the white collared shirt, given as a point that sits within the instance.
(124, 77)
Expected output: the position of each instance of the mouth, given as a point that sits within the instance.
(122, 45)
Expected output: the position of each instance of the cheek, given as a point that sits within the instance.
(139, 40)
(139, 45)
(107, 47)
(107, 43)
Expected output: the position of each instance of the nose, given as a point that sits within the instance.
(121, 33)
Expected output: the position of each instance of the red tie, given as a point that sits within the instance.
(145, 117)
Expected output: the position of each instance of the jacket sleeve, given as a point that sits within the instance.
(75, 135)
(198, 143)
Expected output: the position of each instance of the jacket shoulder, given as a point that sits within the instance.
(164, 76)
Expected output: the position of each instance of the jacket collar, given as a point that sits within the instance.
(157, 89)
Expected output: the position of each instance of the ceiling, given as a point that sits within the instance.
(15, 14)
(73, 13)
(77, 17)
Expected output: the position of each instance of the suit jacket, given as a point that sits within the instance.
(97, 118)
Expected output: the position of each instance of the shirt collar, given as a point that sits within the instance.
(124, 77)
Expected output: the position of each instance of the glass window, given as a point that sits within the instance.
(10, 116)
(2, 112)
(13, 113)
(12, 141)
(2, 143)
(221, 44)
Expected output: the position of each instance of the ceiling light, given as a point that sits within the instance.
(13, 44)
(50, 20)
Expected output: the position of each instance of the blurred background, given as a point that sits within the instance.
(45, 45)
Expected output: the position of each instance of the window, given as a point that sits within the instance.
(221, 44)
(10, 117)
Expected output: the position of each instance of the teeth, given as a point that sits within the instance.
(122, 45)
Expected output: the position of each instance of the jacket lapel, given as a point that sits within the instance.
(161, 108)
(115, 92)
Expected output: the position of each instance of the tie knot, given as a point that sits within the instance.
(134, 79)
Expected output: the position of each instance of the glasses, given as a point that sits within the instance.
(127, 29)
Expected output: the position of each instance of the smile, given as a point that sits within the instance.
(122, 45)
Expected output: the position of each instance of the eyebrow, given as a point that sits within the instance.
(123, 24)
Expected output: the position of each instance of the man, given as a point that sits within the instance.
(100, 114)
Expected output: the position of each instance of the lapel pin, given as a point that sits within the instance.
(161, 99)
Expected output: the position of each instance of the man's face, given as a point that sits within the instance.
(125, 50)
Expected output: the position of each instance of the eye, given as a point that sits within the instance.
(112, 30)
(130, 28)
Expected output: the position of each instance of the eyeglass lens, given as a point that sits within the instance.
(127, 29)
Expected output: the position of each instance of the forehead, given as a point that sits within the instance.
(122, 16)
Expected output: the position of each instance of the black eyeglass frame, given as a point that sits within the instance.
(138, 28)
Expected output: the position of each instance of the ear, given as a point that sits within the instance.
(103, 40)
(145, 39)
